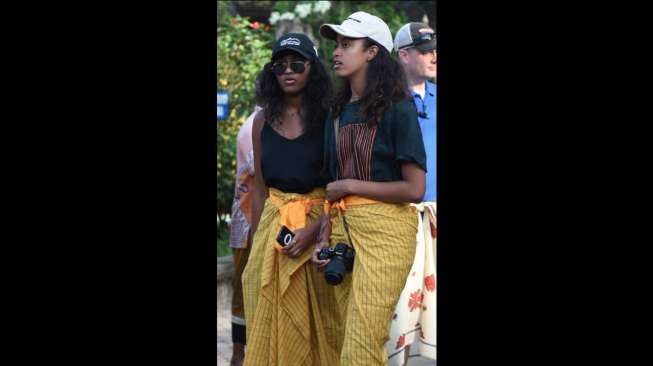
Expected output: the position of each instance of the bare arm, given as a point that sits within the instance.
(409, 189)
(261, 191)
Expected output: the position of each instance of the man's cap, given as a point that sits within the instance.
(418, 35)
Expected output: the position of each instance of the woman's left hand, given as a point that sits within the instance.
(298, 244)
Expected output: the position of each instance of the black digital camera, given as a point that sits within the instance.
(342, 259)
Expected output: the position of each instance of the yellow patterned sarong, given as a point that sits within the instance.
(290, 310)
(383, 236)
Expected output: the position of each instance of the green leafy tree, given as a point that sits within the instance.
(243, 48)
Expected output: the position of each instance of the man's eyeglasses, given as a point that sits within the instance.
(296, 67)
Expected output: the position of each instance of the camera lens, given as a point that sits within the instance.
(335, 271)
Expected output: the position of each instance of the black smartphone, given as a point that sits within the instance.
(285, 236)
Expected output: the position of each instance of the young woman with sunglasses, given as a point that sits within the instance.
(283, 293)
(375, 157)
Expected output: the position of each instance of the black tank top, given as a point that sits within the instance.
(292, 166)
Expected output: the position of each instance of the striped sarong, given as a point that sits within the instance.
(383, 236)
(291, 314)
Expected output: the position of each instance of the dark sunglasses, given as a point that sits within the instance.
(423, 38)
(296, 67)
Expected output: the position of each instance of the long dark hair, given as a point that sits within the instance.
(385, 84)
(315, 101)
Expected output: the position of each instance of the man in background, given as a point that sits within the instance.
(241, 216)
(414, 321)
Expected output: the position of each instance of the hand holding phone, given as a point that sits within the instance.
(284, 238)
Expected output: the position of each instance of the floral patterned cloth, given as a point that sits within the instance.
(414, 320)
(241, 206)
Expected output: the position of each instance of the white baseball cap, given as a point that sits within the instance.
(360, 25)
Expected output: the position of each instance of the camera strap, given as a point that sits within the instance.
(336, 125)
(346, 226)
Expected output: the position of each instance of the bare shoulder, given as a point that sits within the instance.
(259, 120)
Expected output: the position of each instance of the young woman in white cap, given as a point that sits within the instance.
(375, 159)
(283, 293)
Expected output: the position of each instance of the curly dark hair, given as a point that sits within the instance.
(386, 84)
(316, 95)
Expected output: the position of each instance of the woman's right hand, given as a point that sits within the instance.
(322, 242)
(321, 264)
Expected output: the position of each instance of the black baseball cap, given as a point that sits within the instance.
(297, 42)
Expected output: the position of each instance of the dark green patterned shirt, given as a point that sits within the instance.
(374, 153)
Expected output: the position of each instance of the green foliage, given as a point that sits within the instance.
(223, 243)
(243, 49)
